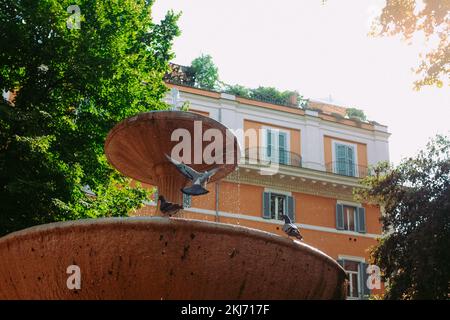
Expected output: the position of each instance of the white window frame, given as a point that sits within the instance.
(355, 212)
(355, 153)
(356, 205)
(286, 194)
(262, 154)
(276, 205)
(350, 284)
(358, 260)
(349, 203)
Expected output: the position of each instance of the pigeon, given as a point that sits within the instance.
(169, 208)
(199, 179)
(291, 229)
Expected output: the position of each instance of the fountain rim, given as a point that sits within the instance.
(143, 222)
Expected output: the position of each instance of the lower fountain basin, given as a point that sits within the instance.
(161, 258)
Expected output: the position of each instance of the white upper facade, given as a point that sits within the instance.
(233, 112)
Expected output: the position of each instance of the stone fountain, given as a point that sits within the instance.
(159, 257)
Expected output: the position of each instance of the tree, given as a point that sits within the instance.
(410, 17)
(414, 254)
(358, 113)
(271, 94)
(205, 72)
(268, 94)
(238, 90)
(72, 86)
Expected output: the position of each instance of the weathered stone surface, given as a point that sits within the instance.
(137, 147)
(160, 258)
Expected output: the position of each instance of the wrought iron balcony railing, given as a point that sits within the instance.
(263, 155)
(266, 156)
(347, 168)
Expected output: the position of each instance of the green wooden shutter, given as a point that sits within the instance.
(340, 165)
(291, 208)
(187, 201)
(339, 216)
(269, 143)
(266, 205)
(350, 162)
(282, 144)
(345, 160)
(361, 220)
(363, 276)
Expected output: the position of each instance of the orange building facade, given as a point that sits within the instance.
(320, 157)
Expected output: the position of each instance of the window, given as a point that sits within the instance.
(277, 146)
(344, 160)
(187, 201)
(350, 218)
(352, 269)
(282, 148)
(357, 278)
(277, 204)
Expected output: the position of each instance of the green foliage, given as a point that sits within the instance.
(238, 90)
(206, 76)
(414, 255)
(73, 86)
(430, 17)
(356, 113)
(185, 106)
(267, 94)
(273, 95)
(205, 72)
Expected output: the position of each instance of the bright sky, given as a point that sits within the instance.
(318, 50)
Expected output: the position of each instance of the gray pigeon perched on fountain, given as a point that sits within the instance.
(199, 179)
(169, 208)
(291, 229)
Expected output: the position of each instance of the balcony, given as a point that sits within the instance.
(347, 168)
(265, 157)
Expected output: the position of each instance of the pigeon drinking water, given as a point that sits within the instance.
(169, 208)
(291, 229)
(199, 179)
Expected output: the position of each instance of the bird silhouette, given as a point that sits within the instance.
(291, 229)
(169, 208)
(198, 179)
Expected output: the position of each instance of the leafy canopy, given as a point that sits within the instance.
(206, 73)
(429, 18)
(358, 113)
(268, 94)
(72, 86)
(414, 255)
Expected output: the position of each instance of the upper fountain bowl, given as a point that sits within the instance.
(137, 145)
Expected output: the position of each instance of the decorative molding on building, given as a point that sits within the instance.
(307, 185)
(280, 223)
